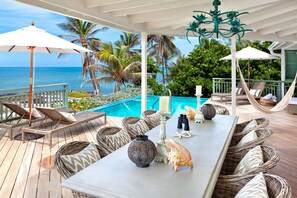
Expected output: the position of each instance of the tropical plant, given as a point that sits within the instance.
(131, 41)
(162, 48)
(83, 32)
(116, 65)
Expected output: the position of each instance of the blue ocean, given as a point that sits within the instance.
(17, 77)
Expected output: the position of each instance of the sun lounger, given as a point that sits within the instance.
(21, 120)
(224, 96)
(257, 89)
(60, 121)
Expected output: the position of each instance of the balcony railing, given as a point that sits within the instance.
(54, 95)
(223, 85)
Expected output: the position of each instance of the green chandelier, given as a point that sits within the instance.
(231, 25)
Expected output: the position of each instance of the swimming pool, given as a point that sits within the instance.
(132, 106)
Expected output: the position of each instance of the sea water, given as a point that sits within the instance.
(18, 77)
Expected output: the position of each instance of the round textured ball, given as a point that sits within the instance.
(142, 151)
(208, 111)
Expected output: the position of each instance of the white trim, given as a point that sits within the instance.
(143, 71)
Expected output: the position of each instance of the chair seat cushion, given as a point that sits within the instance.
(253, 159)
(250, 126)
(78, 161)
(154, 119)
(255, 188)
(251, 136)
(117, 140)
(138, 128)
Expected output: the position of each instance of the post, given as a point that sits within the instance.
(233, 74)
(283, 73)
(143, 71)
(65, 87)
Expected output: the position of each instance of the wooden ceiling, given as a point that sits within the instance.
(274, 20)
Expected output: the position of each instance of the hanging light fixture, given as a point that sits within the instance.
(225, 24)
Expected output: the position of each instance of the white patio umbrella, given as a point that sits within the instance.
(250, 53)
(32, 39)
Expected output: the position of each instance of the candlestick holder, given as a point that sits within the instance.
(161, 147)
(199, 117)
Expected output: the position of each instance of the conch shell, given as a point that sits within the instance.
(191, 112)
(178, 155)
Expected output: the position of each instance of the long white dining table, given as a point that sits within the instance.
(116, 176)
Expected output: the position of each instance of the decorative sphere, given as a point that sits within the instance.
(208, 111)
(142, 151)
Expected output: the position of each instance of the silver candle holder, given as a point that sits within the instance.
(161, 147)
(199, 117)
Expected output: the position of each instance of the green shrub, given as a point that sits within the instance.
(78, 94)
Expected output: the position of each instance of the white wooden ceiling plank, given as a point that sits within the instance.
(96, 3)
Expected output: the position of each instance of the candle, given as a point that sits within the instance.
(164, 104)
(198, 89)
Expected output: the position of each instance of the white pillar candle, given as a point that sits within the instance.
(198, 89)
(164, 104)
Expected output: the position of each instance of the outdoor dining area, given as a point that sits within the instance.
(224, 157)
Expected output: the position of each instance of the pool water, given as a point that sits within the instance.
(132, 106)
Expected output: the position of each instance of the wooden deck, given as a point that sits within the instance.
(22, 175)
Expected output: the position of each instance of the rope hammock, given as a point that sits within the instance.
(280, 106)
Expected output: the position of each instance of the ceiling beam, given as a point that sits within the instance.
(272, 11)
(172, 14)
(278, 27)
(96, 3)
(132, 4)
(65, 6)
(158, 7)
(288, 31)
(265, 23)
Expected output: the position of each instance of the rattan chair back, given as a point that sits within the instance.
(270, 159)
(128, 121)
(221, 110)
(262, 122)
(277, 187)
(146, 116)
(262, 133)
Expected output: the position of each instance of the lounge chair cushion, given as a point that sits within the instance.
(78, 161)
(139, 128)
(254, 188)
(251, 136)
(117, 140)
(253, 159)
(35, 113)
(250, 126)
(69, 116)
(255, 92)
(238, 90)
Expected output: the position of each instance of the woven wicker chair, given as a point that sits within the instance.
(221, 110)
(262, 122)
(128, 121)
(277, 187)
(150, 122)
(262, 134)
(270, 159)
(109, 130)
(69, 149)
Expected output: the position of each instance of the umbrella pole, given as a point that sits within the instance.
(31, 84)
(249, 75)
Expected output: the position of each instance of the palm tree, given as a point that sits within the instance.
(116, 65)
(131, 41)
(83, 32)
(163, 48)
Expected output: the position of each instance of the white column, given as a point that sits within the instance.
(233, 74)
(143, 71)
(283, 70)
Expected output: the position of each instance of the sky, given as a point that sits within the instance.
(15, 15)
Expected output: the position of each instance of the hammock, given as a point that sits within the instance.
(280, 106)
